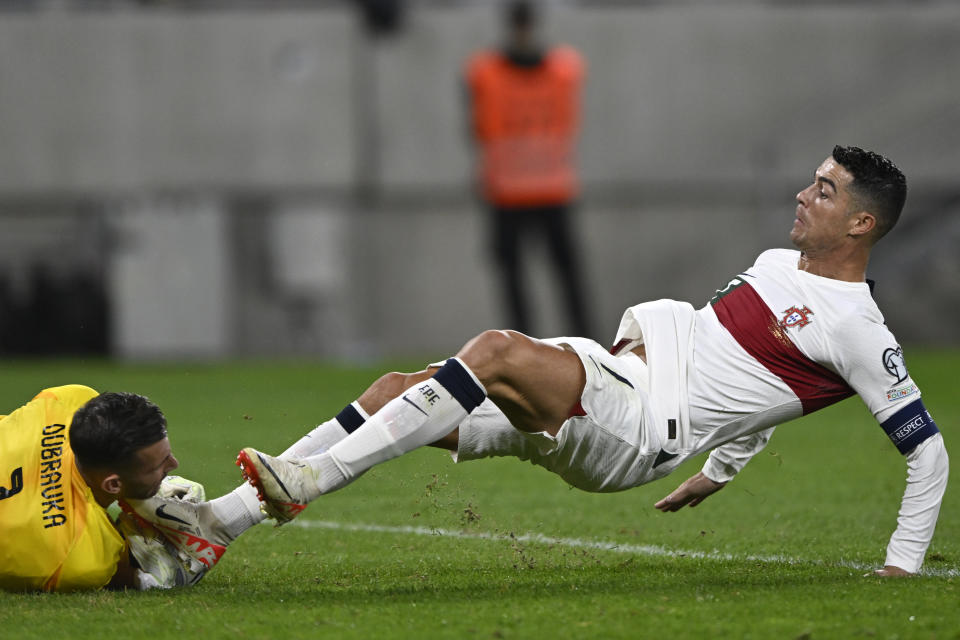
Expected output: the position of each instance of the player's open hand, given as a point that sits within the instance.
(888, 571)
(693, 491)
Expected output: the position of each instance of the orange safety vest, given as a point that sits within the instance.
(525, 122)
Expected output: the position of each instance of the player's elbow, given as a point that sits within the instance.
(942, 461)
(933, 461)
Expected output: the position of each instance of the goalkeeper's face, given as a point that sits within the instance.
(141, 479)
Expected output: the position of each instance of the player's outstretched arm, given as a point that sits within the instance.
(927, 472)
(693, 491)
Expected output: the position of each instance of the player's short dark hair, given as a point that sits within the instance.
(878, 186)
(108, 430)
(520, 14)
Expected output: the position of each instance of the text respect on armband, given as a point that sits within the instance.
(910, 426)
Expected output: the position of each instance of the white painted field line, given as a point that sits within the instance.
(598, 545)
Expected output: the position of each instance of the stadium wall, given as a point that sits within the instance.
(265, 128)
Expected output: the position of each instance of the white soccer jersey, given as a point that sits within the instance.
(777, 343)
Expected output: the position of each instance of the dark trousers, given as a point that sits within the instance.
(514, 230)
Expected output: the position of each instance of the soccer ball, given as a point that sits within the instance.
(155, 554)
(168, 566)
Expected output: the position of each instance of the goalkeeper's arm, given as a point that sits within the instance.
(126, 575)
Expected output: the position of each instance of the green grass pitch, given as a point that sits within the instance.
(423, 548)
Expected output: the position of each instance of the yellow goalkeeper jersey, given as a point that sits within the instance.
(53, 534)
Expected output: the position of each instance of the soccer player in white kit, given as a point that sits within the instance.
(795, 332)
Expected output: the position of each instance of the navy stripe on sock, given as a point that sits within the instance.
(350, 419)
(455, 379)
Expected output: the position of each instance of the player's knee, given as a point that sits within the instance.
(491, 351)
(395, 383)
(387, 387)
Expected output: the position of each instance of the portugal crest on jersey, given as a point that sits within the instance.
(794, 317)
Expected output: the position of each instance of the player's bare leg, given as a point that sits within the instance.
(509, 394)
(535, 384)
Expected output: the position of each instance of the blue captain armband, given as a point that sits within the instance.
(910, 426)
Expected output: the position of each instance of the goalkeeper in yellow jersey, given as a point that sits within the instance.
(70, 453)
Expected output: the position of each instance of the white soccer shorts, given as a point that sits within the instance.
(609, 449)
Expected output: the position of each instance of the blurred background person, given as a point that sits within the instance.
(524, 101)
(241, 183)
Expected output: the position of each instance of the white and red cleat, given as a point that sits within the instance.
(285, 487)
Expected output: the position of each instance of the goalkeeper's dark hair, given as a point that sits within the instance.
(108, 430)
(878, 186)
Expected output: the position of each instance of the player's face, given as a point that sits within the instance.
(823, 209)
(153, 464)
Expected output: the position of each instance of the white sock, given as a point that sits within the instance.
(327, 434)
(424, 413)
(237, 511)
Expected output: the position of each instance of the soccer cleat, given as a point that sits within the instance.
(189, 526)
(285, 487)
